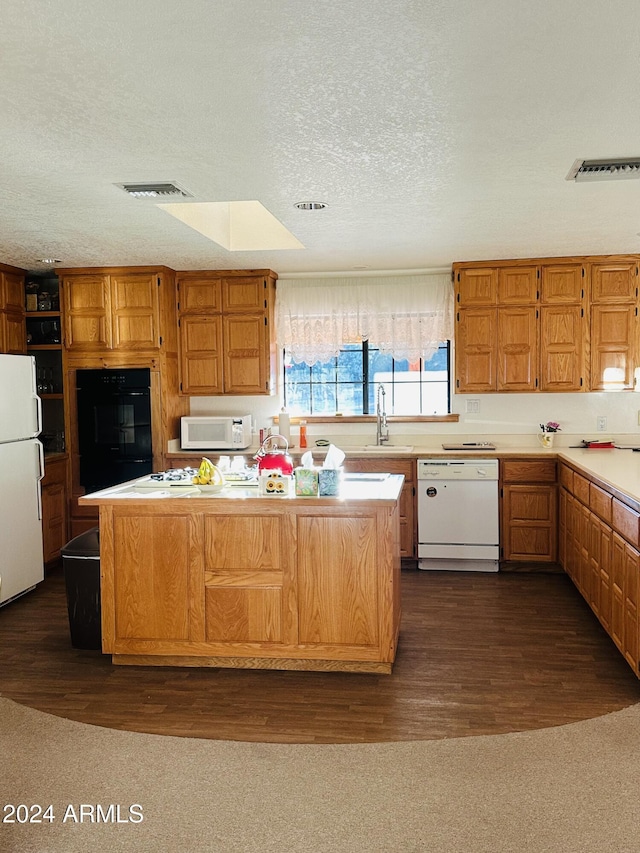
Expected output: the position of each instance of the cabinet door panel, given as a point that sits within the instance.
(476, 335)
(87, 312)
(517, 285)
(12, 292)
(200, 295)
(614, 281)
(135, 309)
(561, 347)
(477, 287)
(613, 347)
(245, 361)
(243, 615)
(13, 333)
(200, 354)
(336, 606)
(517, 349)
(561, 283)
(243, 293)
(152, 593)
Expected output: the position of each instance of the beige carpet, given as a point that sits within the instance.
(571, 788)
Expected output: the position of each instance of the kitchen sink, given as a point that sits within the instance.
(385, 448)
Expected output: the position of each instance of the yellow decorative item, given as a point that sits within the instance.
(209, 476)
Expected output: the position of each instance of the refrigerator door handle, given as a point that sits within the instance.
(38, 414)
(40, 476)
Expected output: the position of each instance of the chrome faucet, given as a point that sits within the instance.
(382, 429)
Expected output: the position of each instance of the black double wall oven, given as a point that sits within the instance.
(114, 426)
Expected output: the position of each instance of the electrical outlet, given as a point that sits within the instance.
(601, 423)
(638, 417)
(473, 407)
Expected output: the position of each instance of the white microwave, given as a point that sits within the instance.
(210, 432)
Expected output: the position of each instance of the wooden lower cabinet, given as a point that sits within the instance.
(256, 583)
(54, 508)
(595, 529)
(408, 516)
(529, 510)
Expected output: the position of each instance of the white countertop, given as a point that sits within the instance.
(619, 469)
(354, 487)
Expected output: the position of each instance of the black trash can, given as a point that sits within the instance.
(81, 565)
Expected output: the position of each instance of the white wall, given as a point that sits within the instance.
(509, 418)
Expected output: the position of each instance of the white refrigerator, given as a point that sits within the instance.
(21, 470)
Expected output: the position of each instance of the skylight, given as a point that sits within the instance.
(237, 226)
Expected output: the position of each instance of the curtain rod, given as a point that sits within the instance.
(365, 273)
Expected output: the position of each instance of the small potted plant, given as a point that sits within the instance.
(547, 430)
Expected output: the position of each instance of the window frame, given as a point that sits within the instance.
(368, 415)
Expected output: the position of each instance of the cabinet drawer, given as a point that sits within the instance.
(626, 521)
(581, 488)
(566, 477)
(600, 502)
(529, 471)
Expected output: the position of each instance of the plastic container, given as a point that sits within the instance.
(303, 434)
(81, 565)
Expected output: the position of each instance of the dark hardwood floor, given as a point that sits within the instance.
(479, 654)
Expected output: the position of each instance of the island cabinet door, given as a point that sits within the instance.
(338, 575)
(149, 597)
(248, 579)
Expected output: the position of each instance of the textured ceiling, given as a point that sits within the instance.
(434, 130)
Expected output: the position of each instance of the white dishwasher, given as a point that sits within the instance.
(458, 526)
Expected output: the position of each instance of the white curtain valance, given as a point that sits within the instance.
(405, 316)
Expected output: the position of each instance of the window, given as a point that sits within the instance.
(347, 384)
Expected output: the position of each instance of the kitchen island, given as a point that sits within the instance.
(236, 579)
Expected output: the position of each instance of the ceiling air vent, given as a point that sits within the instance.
(605, 170)
(160, 191)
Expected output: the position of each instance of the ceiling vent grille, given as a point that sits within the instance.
(605, 170)
(161, 191)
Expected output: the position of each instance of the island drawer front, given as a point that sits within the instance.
(600, 502)
(529, 471)
(626, 521)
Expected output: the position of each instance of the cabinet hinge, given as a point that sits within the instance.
(457, 383)
(458, 276)
(581, 381)
(178, 318)
(537, 313)
(538, 274)
(458, 297)
(160, 340)
(582, 293)
(158, 281)
(181, 386)
(582, 272)
(537, 295)
(536, 384)
(265, 321)
(458, 316)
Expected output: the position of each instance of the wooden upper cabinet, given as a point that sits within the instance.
(135, 311)
(226, 332)
(562, 348)
(518, 285)
(614, 348)
(477, 287)
(13, 333)
(199, 293)
(517, 349)
(104, 311)
(244, 294)
(476, 352)
(614, 281)
(12, 290)
(562, 283)
(201, 354)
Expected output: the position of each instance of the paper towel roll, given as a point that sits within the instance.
(284, 425)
